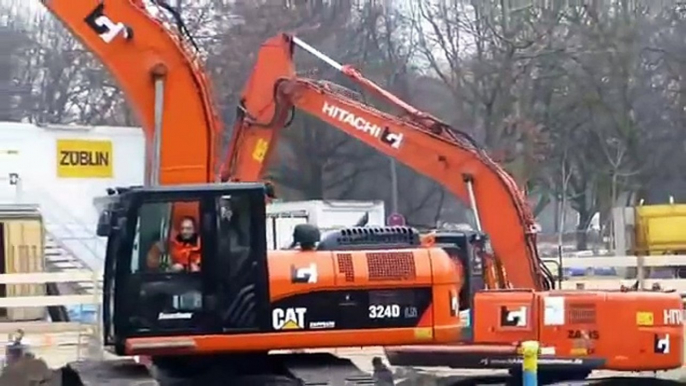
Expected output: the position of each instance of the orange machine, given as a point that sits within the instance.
(243, 304)
(453, 159)
(415, 138)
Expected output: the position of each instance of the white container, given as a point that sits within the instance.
(282, 217)
(62, 168)
(34, 154)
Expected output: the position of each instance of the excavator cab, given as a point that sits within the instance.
(149, 288)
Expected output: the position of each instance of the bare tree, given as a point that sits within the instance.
(13, 39)
(595, 91)
(64, 82)
(10, 91)
(484, 53)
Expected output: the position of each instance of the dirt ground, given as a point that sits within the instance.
(362, 357)
(60, 345)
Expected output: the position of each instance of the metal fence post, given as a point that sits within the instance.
(530, 363)
(640, 272)
(79, 336)
(96, 342)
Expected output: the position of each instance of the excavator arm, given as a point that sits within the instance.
(418, 140)
(166, 85)
(150, 64)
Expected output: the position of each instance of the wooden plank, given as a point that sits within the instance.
(622, 261)
(679, 285)
(567, 262)
(48, 301)
(49, 277)
(43, 327)
(599, 262)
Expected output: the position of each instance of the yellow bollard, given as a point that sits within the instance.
(530, 363)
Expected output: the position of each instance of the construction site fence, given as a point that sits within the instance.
(57, 342)
(640, 263)
(640, 266)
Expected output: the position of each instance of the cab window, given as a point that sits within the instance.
(166, 236)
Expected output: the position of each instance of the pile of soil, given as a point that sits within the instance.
(29, 371)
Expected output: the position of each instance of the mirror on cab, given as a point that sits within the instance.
(105, 205)
(103, 228)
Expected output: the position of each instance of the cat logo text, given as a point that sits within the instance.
(289, 318)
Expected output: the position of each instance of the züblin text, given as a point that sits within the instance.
(84, 158)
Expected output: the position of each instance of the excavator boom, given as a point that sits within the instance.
(152, 66)
(420, 141)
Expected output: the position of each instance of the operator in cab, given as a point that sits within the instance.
(184, 249)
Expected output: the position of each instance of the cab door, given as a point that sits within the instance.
(110, 327)
(161, 295)
(113, 224)
(240, 262)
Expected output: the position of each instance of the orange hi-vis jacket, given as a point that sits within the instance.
(185, 252)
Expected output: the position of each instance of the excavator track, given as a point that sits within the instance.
(319, 369)
(325, 369)
(122, 372)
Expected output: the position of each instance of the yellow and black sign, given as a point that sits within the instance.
(645, 318)
(78, 158)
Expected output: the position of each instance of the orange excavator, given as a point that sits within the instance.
(356, 287)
